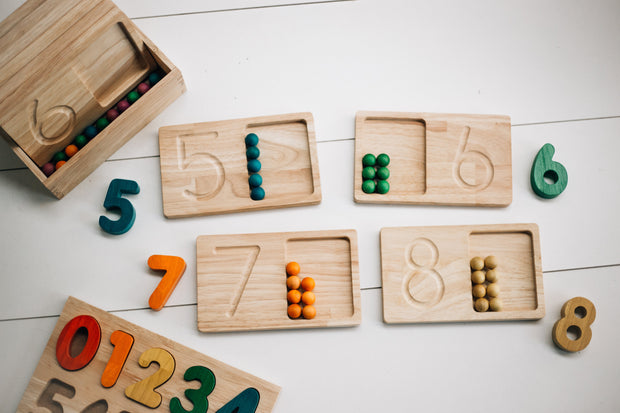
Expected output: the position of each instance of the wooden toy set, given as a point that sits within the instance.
(243, 282)
(97, 362)
(239, 165)
(427, 273)
(78, 80)
(437, 159)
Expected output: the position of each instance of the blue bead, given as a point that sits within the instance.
(257, 194)
(254, 165)
(255, 180)
(90, 131)
(251, 140)
(252, 153)
(154, 78)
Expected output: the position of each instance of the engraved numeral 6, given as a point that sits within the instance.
(463, 158)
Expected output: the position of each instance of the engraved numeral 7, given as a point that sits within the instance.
(252, 254)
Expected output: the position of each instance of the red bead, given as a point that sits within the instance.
(48, 169)
(122, 106)
(143, 88)
(111, 115)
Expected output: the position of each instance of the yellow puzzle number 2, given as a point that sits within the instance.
(577, 315)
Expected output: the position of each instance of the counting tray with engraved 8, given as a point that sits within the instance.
(427, 277)
(241, 279)
(437, 159)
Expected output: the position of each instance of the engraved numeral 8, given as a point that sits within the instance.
(577, 315)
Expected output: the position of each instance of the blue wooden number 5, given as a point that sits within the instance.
(113, 200)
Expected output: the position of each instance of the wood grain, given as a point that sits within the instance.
(66, 64)
(83, 387)
(204, 166)
(241, 279)
(437, 159)
(426, 273)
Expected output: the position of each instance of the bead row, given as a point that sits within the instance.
(485, 288)
(294, 294)
(252, 153)
(375, 173)
(61, 157)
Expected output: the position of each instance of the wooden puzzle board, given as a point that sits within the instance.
(426, 273)
(242, 279)
(53, 388)
(204, 166)
(437, 159)
(49, 91)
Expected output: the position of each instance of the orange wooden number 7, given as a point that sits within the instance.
(174, 267)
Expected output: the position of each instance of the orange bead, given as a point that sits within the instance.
(293, 296)
(71, 150)
(293, 282)
(294, 310)
(308, 298)
(292, 268)
(307, 284)
(309, 312)
(59, 164)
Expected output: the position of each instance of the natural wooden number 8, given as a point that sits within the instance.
(577, 315)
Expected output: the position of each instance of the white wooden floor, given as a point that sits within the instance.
(553, 66)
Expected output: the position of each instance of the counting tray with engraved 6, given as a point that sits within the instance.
(437, 159)
(427, 277)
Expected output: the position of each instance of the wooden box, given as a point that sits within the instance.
(437, 159)
(426, 274)
(204, 166)
(97, 362)
(66, 63)
(242, 279)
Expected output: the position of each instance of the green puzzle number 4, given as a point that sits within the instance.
(545, 168)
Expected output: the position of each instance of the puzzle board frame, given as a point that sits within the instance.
(204, 166)
(86, 381)
(437, 159)
(426, 273)
(241, 279)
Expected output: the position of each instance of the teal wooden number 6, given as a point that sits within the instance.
(113, 200)
(545, 168)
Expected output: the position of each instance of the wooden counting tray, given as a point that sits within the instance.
(64, 64)
(427, 278)
(437, 159)
(204, 166)
(54, 388)
(242, 279)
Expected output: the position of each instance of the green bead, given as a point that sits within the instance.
(59, 156)
(382, 187)
(368, 172)
(255, 180)
(383, 160)
(368, 186)
(251, 140)
(369, 160)
(80, 141)
(252, 153)
(102, 123)
(133, 96)
(383, 173)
